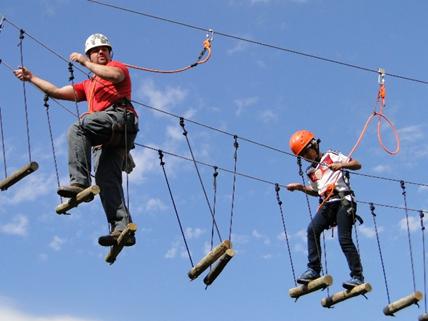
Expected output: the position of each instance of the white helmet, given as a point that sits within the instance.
(96, 40)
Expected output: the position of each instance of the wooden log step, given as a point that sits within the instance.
(423, 317)
(214, 273)
(131, 228)
(402, 303)
(346, 294)
(18, 175)
(209, 259)
(86, 195)
(315, 285)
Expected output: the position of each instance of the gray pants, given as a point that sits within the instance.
(97, 129)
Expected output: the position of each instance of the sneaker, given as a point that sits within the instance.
(70, 191)
(350, 284)
(111, 239)
(307, 276)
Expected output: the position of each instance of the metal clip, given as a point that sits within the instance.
(210, 35)
(381, 76)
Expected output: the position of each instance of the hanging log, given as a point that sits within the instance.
(402, 303)
(423, 317)
(312, 286)
(86, 195)
(18, 175)
(346, 294)
(130, 229)
(209, 259)
(214, 273)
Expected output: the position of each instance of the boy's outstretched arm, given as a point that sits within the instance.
(302, 188)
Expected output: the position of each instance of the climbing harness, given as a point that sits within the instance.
(199, 61)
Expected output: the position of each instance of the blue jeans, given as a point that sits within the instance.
(97, 129)
(333, 213)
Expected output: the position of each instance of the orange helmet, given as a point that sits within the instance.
(299, 140)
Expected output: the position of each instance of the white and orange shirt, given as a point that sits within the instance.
(321, 176)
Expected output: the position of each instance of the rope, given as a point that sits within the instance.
(235, 160)
(299, 163)
(260, 43)
(277, 189)
(199, 61)
(3, 145)
(372, 208)
(46, 104)
(20, 45)
(325, 259)
(200, 178)
(421, 215)
(403, 188)
(162, 163)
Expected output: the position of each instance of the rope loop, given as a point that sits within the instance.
(182, 126)
(70, 70)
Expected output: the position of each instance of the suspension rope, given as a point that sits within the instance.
(271, 46)
(162, 163)
(46, 105)
(403, 192)
(372, 210)
(199, 61)
(325, 258)
(235, 160)
(20, 45)
(2, 144)
(302, 176)
(200, 178)
(278, 199)
(215, 174)
(421, 216)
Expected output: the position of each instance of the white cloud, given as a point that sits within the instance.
(238, 47)
(193, 233)
(161, 98)
(243, 103)
(146, 161)
(369, 232)
(411, 133)
(267, 256)
(10, 313)
(51, 6)
(422, 188)
(174, 132)
(239, 238)
(414, 223)
(268, 116)
(172, 251)
(261, 237)
(155, 204)
(382, 169)
(18, 226)
(56, 243)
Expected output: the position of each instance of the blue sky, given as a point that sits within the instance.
(52, 268)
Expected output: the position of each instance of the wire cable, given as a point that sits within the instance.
(2, 144)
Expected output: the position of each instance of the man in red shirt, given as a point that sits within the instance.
(110, 127)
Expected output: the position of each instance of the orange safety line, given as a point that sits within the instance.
(381, 99)
(207, 48)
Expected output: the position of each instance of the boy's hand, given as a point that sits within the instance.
(295, 187)
(335, 166)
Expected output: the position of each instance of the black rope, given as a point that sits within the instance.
(3, 145)
(421, 216)
(20, 45)
(199, 176)
(215, 174)
(403, 192)
(271, 46)
(372, 210)
(162, 163)
(277, 189)
(301, 174)
(235, 160)
(46, 104)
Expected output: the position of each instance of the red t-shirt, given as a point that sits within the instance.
(101, 93)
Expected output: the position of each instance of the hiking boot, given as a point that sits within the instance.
(111, 239)
(307, 276)
(70, 191)
(353, 282)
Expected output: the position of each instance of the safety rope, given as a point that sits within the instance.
(46, 105)
(372, 210)
(381, 101)
(20, 45)
(162, 163)
(2, 144)
(199, 61)
(421, 216)
(278, 199)
(403, 192)
(301, 174)
(200, 178)
(235, 160)
(215, 174)
(325, 258)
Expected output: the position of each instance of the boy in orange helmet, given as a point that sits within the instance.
(339, 209)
